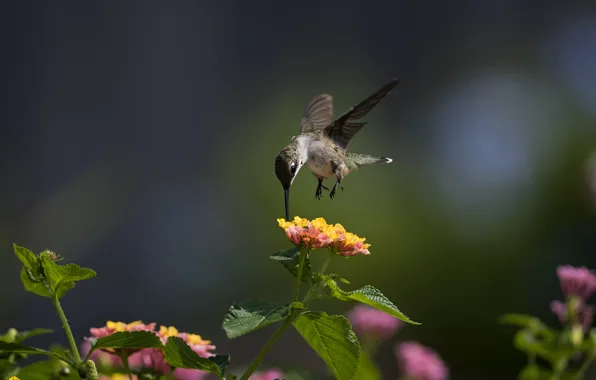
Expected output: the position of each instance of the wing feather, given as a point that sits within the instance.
(318, 114)
(344, 127)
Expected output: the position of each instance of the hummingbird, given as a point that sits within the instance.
(323, 143)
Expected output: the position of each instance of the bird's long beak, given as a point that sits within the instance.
(287, 199)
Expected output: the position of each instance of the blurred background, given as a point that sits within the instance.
(138, 139)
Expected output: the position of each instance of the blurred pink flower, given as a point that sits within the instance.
(579, 282)
(270, 374)
(585, 313)
(372, 322)
(420, 362)
(150, 357)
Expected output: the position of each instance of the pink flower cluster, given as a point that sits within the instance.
(420, 362)
(578, 282)
(308, 235)
(373, 323)
(149, 357)
(270, 374)
(578, 285)
(317, 233)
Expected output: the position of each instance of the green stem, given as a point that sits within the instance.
(126, 365)
(287, 322)
(268, 346)
(66, 327)
(559, 369)
(303, 254)
(326, 263)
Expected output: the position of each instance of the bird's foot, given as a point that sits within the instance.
(319, 192)
(332, 193)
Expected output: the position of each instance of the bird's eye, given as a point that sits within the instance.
(293, 168)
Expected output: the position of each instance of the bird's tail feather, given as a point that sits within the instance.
(355, 160)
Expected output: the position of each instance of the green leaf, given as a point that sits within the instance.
(22, 349)
(290, 259)
(24, 335)
(128, 340)
(45, 370)
(178, 354)
(38, 288)
(370, 296)
(250, 316)
(62, 278)
(28, 258)
(367, 370)
(331, 336)
(525, 341)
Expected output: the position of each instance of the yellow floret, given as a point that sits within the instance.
(168, 331)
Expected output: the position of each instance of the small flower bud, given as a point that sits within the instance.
(88, 371)
(11, 335)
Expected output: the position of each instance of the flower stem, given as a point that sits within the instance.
(66, 327)
(559, 369)
(303, 254)
(268, 346)
(287, 322)
(124, 359)
(326, 263)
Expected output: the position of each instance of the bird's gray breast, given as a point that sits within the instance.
(319, 159)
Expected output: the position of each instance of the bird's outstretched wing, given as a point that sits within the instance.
(318, 114)
(345, 127)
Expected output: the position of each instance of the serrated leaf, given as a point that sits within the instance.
(290, 259)
(127, 340)
(62, 278)
(28, 258)
(367, 370)
(370, 296)
(332, 337)
(178, 354)
(73, 272)
(249, 316)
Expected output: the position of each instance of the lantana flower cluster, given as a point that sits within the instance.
(578, 285)
(319, 234)
(149, 357)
